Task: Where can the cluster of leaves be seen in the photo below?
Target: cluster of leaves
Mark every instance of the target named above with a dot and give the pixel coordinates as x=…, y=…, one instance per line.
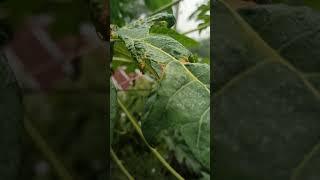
x=267, y=92
x=177, y=105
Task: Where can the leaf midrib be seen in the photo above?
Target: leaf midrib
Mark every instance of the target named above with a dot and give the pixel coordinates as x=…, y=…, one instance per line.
x=173, y=59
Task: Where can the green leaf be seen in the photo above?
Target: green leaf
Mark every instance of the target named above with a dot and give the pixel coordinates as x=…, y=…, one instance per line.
x=299, y=29
x=184, y=40
x=150, y=49
x=181, y=151
x=182, y=102
x=266, y=109
x=181, y=98
x=113, y=108
x=11, y=122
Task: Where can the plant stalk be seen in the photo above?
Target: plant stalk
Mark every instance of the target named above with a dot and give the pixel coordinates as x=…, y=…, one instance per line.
x=153, y=150
x=165, y=7
x=46, y=151
x=197, y=29
x=120, y=165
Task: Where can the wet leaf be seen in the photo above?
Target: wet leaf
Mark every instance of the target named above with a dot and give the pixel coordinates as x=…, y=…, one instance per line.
x=182, y=102
x=150, y=49
x=181, y=97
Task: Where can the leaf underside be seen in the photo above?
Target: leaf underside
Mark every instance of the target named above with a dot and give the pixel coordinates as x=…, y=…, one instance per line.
x=266, y=112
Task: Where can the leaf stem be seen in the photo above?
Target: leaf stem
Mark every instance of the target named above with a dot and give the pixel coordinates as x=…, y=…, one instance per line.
x=306, y=159
x=312, y=75
x=165, y=7
x=199, y=28
x=153, y=150
x=46, y=151
x=120, y=165
x=121, y=59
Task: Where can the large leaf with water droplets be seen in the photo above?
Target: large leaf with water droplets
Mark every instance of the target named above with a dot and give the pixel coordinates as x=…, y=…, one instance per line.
x=182, y=102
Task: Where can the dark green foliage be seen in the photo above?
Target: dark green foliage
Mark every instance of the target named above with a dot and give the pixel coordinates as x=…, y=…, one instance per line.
x=11, y=121
x=299, y=31
x=266, y=110
x=67, y=14
x=5, y=32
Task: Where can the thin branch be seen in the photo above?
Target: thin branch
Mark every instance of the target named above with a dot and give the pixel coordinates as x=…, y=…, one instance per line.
x=120, y=165
x=177, y=16
x=153, y=150
x=306, y=159
x=312, y=75
x=121, y=59
x=199, y=28
x=165, y=7
x=47, y=151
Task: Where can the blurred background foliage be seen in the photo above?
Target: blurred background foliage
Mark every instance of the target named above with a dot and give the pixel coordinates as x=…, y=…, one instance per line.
x=68, y=118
